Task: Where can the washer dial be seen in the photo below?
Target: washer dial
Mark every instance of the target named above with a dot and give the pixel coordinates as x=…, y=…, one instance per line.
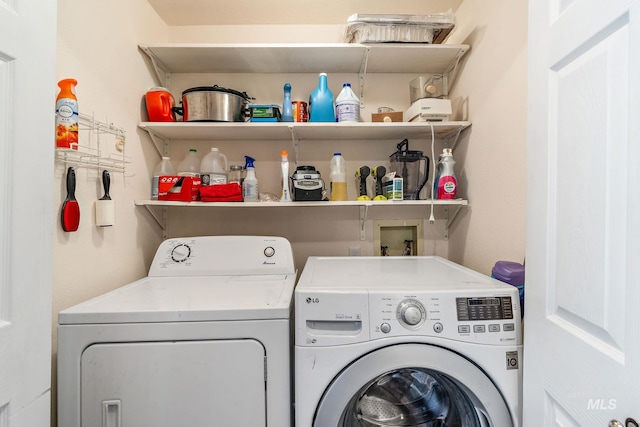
x=180, y=253
x=411, y=314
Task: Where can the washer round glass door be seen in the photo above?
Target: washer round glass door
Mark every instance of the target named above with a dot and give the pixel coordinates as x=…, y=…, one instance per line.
x=412, y=385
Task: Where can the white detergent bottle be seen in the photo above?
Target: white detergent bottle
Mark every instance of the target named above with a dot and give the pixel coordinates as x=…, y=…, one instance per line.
x=286, y=191
x=347, y=105
x=250, y=183
x=213, y=168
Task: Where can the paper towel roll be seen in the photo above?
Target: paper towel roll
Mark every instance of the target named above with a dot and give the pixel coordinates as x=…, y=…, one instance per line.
x=105, y=213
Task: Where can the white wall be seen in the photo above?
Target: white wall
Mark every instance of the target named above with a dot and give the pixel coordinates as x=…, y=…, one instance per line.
x=491, y=156
x=97, y=45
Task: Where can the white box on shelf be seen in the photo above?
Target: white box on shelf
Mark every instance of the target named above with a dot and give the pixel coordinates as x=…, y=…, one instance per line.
x=429, y=110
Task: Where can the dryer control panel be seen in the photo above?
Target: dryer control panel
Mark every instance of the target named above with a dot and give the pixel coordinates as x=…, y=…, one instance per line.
x=223, y=256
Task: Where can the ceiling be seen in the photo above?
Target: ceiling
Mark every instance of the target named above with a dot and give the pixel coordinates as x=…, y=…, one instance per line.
x=287, y=12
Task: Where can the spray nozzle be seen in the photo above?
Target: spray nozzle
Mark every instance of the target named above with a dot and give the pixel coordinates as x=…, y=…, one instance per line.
x=284, y=154
x=248, y=162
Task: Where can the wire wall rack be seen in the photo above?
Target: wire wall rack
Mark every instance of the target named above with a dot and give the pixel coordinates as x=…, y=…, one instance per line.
x=92, y=149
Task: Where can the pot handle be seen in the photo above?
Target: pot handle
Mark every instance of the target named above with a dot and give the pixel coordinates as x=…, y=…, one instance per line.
x=178, y=110
x=246, y=113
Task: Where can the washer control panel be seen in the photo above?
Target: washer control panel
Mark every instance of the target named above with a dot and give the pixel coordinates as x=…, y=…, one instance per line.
x=487, y=319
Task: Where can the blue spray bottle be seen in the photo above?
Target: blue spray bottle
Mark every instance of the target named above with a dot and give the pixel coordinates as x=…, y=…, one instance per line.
x=287, y=110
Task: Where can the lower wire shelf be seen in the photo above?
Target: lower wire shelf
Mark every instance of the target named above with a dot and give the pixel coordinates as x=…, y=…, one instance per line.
x=159, y=208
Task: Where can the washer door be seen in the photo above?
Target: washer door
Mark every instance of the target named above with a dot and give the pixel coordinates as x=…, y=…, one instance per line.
x=413, y=385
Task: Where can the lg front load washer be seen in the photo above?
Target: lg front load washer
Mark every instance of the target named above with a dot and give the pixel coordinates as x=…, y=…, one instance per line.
x=203, y=340
x=405, y=341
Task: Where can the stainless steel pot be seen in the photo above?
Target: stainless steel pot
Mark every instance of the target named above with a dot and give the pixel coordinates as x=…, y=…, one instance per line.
x=213, y=104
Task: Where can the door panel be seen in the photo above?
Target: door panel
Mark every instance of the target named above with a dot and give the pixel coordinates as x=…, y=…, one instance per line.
x=168, y=384
x=589, y=140
x=27, y=101
x=582, y=343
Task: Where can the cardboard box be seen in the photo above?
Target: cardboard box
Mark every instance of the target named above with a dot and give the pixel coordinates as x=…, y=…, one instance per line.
x=179, y=188
x=395, y=116
x=393, y=189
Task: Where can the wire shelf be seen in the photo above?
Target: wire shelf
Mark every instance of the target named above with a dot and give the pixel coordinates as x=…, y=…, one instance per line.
x=90, y=152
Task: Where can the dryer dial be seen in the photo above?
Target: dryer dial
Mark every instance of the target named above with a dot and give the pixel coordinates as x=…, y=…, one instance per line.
x=180, y=253
x=411, y=314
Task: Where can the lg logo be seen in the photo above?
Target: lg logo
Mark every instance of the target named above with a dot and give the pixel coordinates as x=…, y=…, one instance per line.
x=313, y=300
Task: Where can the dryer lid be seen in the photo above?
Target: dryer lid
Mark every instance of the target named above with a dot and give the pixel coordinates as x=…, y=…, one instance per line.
x=188, y=299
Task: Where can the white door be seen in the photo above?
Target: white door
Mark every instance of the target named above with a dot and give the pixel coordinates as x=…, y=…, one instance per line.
x=582, y=334
x=27, y=102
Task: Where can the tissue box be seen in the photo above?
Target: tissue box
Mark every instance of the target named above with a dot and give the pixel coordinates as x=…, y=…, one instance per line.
x=178, y=188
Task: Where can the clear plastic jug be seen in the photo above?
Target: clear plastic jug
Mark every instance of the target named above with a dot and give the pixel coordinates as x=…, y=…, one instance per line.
x=190, y=165
x=213, y=168
x=338, y=183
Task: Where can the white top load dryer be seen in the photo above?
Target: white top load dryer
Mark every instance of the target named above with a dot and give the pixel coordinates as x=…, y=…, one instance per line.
x=203, y=340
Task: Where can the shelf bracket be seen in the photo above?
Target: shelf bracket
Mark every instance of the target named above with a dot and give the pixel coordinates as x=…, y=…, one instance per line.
x=159, y=142
x=294, y=143
x=362, y=74
x=455, y=138
x=363, y=219
x=451, y=72
x=160, y=215
x=449, y=220
x=162, y=74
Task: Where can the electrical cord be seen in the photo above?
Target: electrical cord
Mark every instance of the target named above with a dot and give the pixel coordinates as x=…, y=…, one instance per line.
x=433, y=172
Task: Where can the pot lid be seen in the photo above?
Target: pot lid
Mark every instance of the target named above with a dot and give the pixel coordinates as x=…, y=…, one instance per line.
x=216, y=88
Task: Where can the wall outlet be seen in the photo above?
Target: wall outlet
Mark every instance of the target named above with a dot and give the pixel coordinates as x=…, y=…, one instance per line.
x=354, y=251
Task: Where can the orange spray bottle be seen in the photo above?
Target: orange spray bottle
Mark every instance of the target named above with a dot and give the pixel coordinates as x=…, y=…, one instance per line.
x=67, y=115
